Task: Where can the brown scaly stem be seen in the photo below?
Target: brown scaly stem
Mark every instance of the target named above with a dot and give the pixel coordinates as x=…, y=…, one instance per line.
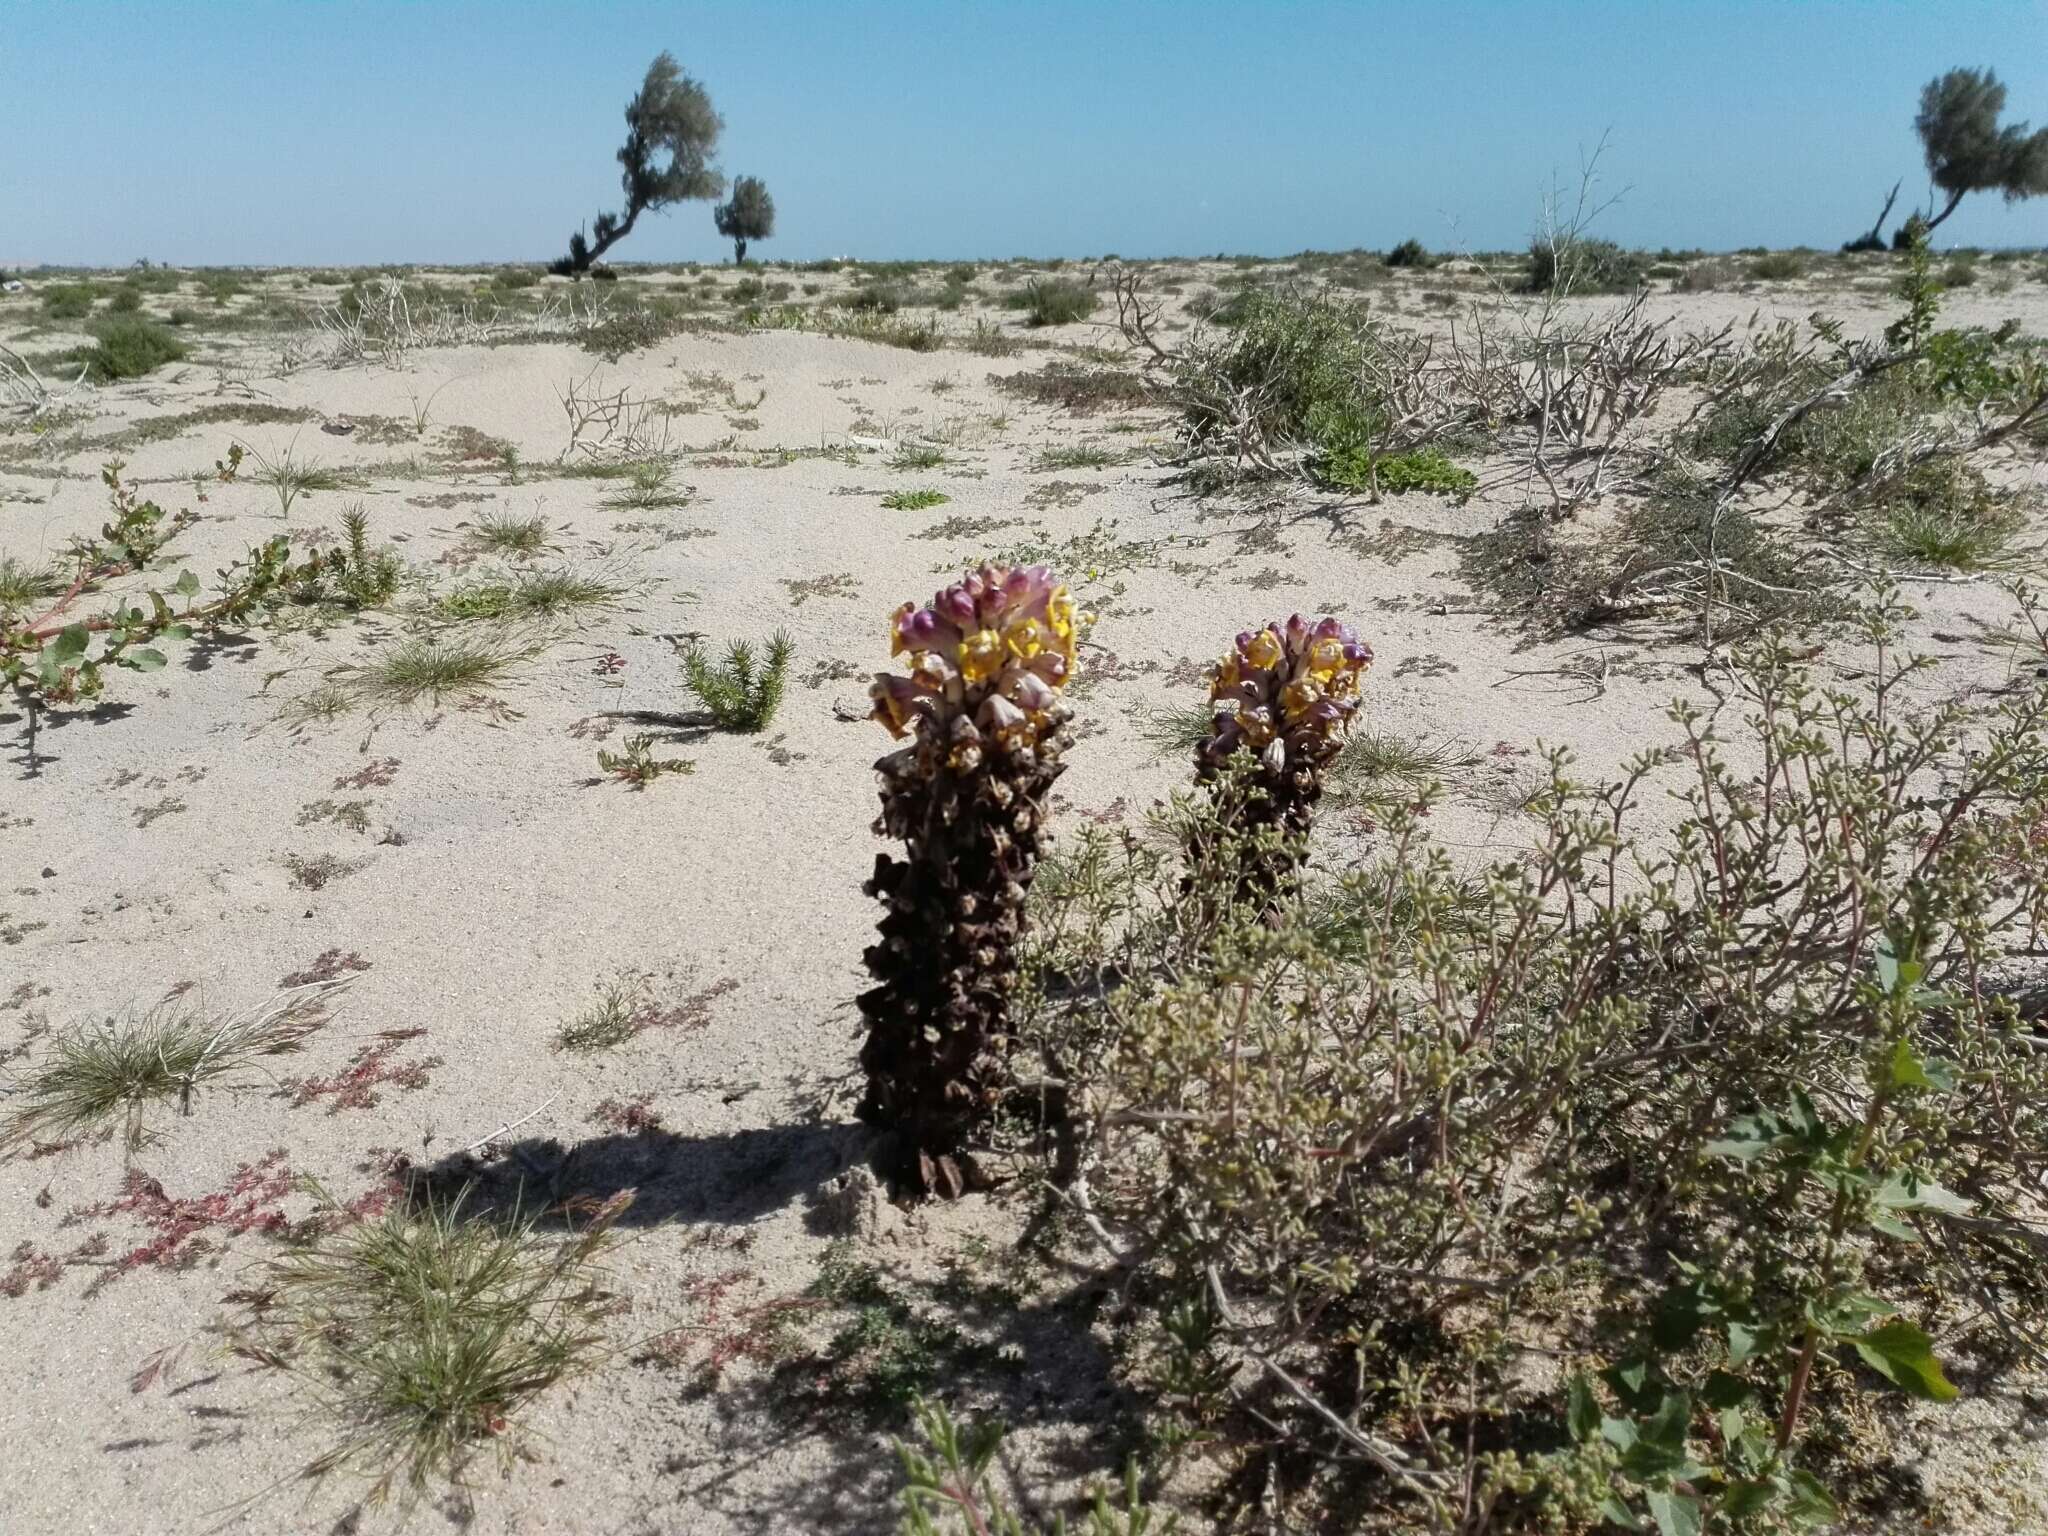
x=968, y=799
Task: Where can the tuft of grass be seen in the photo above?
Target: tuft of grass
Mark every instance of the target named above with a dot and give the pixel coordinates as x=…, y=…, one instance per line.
x=419, y=1336
x=895, y=501
x=532, y=595
x=22, y=584
x=612, y=1020
x=291, y=476
x=918, y=456
x=510, y=536
x=1173, y=730
x=1944, y=514
x=113, y=1071
x=741, y=694
x=1377, y=759
x=648, y=487
x=1078, y=456
x=429, y=667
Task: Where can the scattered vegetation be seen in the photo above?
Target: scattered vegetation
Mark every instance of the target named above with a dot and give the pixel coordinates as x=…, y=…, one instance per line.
x=637, y=765
x=417, y=1336
x=915, y=501
x=87, y=1081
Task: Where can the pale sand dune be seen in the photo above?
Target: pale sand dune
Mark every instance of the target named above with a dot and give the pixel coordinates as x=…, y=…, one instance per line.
x=496, y=886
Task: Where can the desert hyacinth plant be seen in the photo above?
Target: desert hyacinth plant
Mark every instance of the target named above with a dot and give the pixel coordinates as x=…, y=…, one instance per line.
x=1283, y=698
x=988, y=658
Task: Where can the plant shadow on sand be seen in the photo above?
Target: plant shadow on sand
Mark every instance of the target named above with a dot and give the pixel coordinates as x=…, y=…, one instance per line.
x=736, y=1177
x=879, y=1325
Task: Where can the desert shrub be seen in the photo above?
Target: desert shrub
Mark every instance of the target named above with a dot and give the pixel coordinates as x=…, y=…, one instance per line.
x=1410, y=253
x=510, y=278
x=1707, y=276
x=741, y=693
x=1579, y=264
x=1778, y=267
x=127, y=300
x=1960, y=272
x=1627, y=1181
x=68, y=301
x=129, y=346
x=1053, y=302
x=873, y=298
x=1942, y=512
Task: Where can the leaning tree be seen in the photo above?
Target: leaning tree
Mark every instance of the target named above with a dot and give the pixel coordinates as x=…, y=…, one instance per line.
x=749, y=216
x=1967, y=151
x=671, y=113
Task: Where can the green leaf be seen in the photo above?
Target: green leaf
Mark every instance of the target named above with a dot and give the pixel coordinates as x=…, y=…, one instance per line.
x=1907, y=1070
x=1907, y=1191
x=1744, y=1340
x=144, y=660
x=1747, y=1498
x=187, y=585
x=69, y=644
x=1887, y=964
x=1676, y=1514
x=1811, y=1503
x=1614, y=1512
x=1582, y=1409
x=1904, y=1355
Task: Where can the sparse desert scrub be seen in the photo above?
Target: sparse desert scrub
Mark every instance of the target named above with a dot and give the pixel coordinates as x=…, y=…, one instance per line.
x=989, y=656
x=1364, y=1184
x=291, y=475
x=430, y=667
x=1053, y=301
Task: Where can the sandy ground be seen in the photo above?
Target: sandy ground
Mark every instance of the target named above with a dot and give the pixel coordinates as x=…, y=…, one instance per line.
x=497, y=883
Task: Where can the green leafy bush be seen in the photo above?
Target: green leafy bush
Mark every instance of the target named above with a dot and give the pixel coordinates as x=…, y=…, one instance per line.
x=1578, y=264
x=1778, y=267
x=1050, y=301
x=1410, y=253
x=68, y=301
x=130, y=346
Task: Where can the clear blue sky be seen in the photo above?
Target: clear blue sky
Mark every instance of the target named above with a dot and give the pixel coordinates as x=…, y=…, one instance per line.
x=254, y=131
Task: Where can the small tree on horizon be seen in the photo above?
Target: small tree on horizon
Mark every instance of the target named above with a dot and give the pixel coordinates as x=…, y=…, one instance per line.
x=1966, y=149
x=671, y=112
x=750, y=215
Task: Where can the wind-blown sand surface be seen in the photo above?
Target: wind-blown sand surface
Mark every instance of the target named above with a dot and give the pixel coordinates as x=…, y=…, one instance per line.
x=483, y=882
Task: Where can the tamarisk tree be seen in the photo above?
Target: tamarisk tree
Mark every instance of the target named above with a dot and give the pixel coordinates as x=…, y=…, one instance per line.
x=968, y=797
x=750, y=215
x=673, y=114
x=1966, y=149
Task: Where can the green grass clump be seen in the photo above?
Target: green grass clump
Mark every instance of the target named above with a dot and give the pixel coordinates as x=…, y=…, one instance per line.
x=918, y=456
x=648, y=486
x=1050, y=301
x=420, y=1335
x=428, y=667
x=1580, y=265
x=22, y=584
x=741, y=693
x=1778, y=267
x=130, y=346
x=510, y=536
x=89, y=1080
x=291, y=476
x=1078, y=456
x=914, y=501
x=532, y=595
x=1944, y=514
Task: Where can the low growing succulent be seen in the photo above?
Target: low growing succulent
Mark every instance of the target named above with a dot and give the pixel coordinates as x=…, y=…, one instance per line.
x=986, y=724
x=1283, y=696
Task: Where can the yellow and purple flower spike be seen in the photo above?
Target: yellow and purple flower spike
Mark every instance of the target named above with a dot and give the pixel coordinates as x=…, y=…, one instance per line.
x=1287, y=693
x=994, y=648
x=980, y=700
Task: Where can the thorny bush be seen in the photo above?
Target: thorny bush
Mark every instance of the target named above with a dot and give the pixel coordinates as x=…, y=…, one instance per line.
x=1612, y=1186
